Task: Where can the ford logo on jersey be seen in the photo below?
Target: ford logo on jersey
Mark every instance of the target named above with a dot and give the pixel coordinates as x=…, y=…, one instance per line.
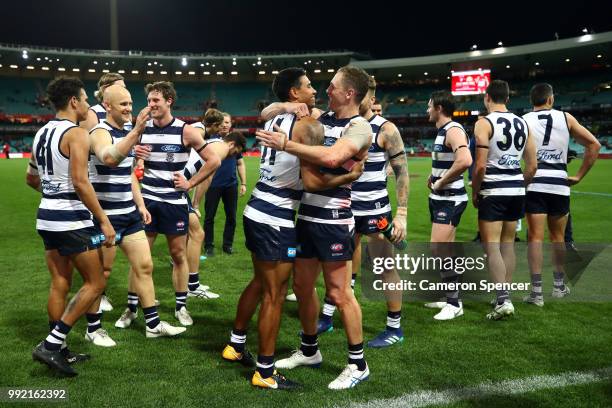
x=549, y=154
x=170, y=148
x=509, y=160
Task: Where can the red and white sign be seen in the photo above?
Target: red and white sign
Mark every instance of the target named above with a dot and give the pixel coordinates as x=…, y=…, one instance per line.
x=470, y=82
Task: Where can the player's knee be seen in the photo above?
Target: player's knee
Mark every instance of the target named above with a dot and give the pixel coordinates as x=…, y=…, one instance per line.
x=107, y=273
x=196, y=234
x=338, y=296
x=179, y=255
x=144, y=268
x=273, y=296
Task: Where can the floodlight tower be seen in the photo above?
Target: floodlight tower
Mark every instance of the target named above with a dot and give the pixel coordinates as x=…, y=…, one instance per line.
x=114, y=26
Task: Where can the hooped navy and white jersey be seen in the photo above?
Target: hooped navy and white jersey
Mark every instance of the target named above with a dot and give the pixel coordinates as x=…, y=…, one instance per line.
x=332, y=206
x=442, y=159
x=100, y=112
x=369, y=194
x=60, y=208
x=195, y=162
x=551, y=135
x=278, y=191
x=113, y=185
x=168, y=155
x=503, y=175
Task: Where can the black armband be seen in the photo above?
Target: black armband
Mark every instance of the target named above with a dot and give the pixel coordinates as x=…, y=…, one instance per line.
x=459, y=147
x=396, y=155
x=202, y=148
x=482, y=147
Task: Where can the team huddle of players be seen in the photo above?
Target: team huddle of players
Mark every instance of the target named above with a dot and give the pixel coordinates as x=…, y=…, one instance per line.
x=322, y=186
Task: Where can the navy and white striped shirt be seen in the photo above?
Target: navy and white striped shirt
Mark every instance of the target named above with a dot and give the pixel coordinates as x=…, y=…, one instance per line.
x=442, y=159
x=113, y=185
x=278, y=192
x=60, y=208
x=168, y=155
x=195, y=162
x=369, y=194
x=503, y=175
x=332, y=206
x=551, y=135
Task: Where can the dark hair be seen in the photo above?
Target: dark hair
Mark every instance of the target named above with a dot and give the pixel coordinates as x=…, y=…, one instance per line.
x=213, y=117
x=357, y=79
x=238, y=139
x=285, y=80
x=105, y=81
x=498, y=91
x=540, y=93
x=445, y=100
x=166, y=88
x=62, y=88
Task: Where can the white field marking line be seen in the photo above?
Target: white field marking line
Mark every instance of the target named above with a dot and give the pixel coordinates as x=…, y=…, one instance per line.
x=593, y=193
x=425, y=398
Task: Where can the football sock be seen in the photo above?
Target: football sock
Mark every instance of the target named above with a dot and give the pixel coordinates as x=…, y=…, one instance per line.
x=132, y=302
x=238, y=339
x=57, y=336
x=502, y=296
x=356, y=356
x=536, y=285
x=353, y=278
x=151, y=316
x=328, y=309
x=194, y=281
x=181, y=299
x=559, y=283
x=393, y=320
x=93, y=322
x=265, y=365
x=309, y=345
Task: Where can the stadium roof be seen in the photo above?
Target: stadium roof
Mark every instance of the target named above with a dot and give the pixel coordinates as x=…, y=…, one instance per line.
x=578, y=53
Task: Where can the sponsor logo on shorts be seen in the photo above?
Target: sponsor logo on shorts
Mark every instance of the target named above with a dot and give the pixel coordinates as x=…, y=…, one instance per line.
x=337, y=247
x=97, y=239
x=180, y=225
x=291, y=252
x=170, y=148
x=442, y=214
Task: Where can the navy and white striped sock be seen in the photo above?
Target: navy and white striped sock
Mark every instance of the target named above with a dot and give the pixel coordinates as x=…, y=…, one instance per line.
x=393, y=320
x=356, y=356
x=151, y=316
x=265, y=365
x=559, y=280
x=194, y=281
x=536, y=285
x=502, y=296
x=132, y=303
x=309, y=345
x=93, y=321
x=238, y=340
x=181, y=299
x=328, y=309
x=57, y=336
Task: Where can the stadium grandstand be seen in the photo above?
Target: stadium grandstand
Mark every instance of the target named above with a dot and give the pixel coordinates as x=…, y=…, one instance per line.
x=578, y=68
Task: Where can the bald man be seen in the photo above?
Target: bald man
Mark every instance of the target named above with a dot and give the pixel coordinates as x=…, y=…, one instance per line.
x=110, y=172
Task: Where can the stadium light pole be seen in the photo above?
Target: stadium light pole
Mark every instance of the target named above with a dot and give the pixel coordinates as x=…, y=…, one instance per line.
x=114, y=26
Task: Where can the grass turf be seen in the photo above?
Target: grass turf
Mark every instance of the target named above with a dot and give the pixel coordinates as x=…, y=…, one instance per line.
x=188, y=371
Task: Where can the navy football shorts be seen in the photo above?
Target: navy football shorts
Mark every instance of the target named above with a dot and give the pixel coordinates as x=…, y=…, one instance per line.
x=270, y=242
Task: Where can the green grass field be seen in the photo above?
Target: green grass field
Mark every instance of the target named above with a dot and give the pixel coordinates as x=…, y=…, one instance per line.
x=188, y=371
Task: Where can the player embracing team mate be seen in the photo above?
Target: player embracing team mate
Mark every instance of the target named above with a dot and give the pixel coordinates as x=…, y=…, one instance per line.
x=370, y=202
x=548, y=195
x=58, y=168
x=448, y=198
x=165, y=146
x=498, y=186
x=270, y=231
x=110, y=172
x=325, y=226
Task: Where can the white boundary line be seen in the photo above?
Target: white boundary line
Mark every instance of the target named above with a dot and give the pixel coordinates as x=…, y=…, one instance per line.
x=425, y=398
x=592, y=193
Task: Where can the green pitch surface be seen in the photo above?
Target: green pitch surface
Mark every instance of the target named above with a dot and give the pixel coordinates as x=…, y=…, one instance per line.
x=459, y=355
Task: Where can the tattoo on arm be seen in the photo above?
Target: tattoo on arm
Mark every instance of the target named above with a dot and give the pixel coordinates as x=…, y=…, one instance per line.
x=394, y=145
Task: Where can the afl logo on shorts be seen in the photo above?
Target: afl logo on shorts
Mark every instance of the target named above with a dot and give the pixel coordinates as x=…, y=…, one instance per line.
x=180, y=225
x=372, y=221
x=441, y=214
x=336, y=247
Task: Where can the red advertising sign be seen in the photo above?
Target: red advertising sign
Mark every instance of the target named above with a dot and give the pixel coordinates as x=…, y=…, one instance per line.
x=470, y=82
